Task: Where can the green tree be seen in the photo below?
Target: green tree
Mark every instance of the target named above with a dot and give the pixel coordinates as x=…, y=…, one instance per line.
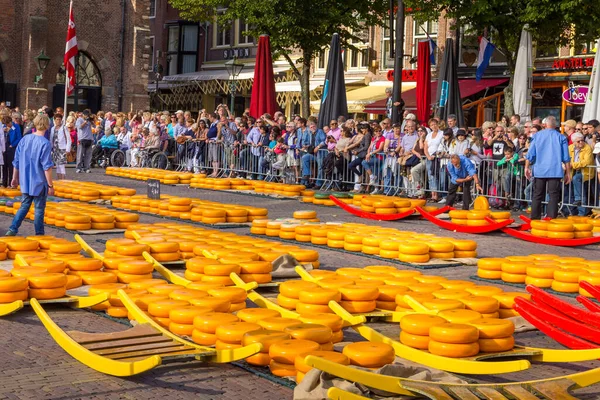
x=552, y=23
x=305, y=25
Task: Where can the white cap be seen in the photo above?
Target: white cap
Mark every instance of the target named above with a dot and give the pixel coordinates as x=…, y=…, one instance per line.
x=411, y=116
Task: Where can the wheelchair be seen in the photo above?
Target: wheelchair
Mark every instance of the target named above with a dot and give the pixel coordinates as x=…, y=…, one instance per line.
x=153, y=158
x=109, y=157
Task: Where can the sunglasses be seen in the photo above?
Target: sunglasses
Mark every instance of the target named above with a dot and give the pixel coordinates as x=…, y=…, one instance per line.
x=578, y=130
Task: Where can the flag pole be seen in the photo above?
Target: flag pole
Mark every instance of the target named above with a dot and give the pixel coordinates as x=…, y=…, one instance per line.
x=65, y=115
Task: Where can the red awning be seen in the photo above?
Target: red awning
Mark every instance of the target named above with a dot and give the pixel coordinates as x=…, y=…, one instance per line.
x=468, y=87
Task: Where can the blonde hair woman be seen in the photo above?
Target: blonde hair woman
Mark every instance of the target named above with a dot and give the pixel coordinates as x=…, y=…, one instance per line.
x=60, y=139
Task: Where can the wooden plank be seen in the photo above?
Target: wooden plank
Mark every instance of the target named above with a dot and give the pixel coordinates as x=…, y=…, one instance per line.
x=127, y=342
x=461, y=392
x=429, y=389
x=136, y=347
x=158, y=352
x=519, y=392
x=142, y=330
x=490, y=393
x=557, y=389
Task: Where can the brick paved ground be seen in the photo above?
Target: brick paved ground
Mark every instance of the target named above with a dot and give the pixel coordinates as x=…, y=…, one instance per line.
x=33, y=366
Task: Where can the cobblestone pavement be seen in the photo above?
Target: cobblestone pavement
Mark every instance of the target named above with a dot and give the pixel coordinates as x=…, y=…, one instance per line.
x=33, y=366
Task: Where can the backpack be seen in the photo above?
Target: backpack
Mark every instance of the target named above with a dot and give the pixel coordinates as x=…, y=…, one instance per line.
x=494, y=201
x=328, y=164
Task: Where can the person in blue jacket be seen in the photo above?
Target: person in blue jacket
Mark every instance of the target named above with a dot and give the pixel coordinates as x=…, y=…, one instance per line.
x=462, y=173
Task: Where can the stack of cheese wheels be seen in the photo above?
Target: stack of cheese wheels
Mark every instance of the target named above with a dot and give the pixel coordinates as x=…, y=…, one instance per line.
x=234, y=295
x=441, y=249
x=134, y=270
x=540, y=273
x=236, y=215
x=566, y=279
x=332, y=321
x=194, y=268
x=273, y=228
x=359, y=299
x=132, y=250
x=305, y=214
x=160, y=310
x=539, y=228
x=89, y=270
x=259, y=227
x=415, y=329
x=369, y=355
x=12, y=288
x=490, y=268
x=109, y=288
x=266, y=338
x=64, y=251
x=560, y=229
x=308, y=196
x=464, y=248
x=3, y=251
x=283, y=355
x=459, y=217
x=321, y=334
x=316, y=300
x=506, y=301
x=229, y=336
x=19, y=245
x=289, y=292
x=218, y=272
x=500, y=216
x=495, y=335
x=78, y=222
x=477, y=217
x=287, y=231
x=595, y=224
x=514, y=271
x=163, y=251
x=414, y=252
x=185, y=178
x=213, y=216
x=111, y=247
x=386, y=299
x=453, y=340
x=178, y=205
x=303, y=368
x=206, y=324
x=256, y=271
x=117, y=309
x=484, y=304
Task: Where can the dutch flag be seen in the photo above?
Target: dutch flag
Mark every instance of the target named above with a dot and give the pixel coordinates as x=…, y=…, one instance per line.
x=486, y=49
x=432, y=47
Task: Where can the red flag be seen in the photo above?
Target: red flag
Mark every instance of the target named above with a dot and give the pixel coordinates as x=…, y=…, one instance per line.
x=70, y=54
x=263, y=98
x=423, y=82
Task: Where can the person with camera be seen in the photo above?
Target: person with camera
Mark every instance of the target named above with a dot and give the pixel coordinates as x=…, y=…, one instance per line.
x=85, y=139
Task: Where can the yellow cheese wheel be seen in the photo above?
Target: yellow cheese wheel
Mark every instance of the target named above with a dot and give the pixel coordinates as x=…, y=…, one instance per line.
x=539, y=282
x=559, y=226
x=137, y=267
x=85, y=264
x=209, y=322
x=286, y=351
x=162, y=308
x=308, y=309
x=496, y=345
x=73, y=281
x=146, y=283
x=49, y=265
x=277, y=323
x=164, y=290
x=186, y=314
x=233, y=332
x=487, y=274
x=513, y=278
x=282, y=369
x=460, y=214
x=454, y=333
x=537, y=271
x=259, y=359
x=287, y=302
x=560, y=234
x=358, y=293
x=539, y=232
x=481, y=304
x=97, y=277
x=414, y=259
x=515, y=267
x=319, y=296
x=465, y=254
x=132, y=249
x=539, y=225
x=264, y=337
x=255, y=267
x=453, y=350
x=314, y=332
x=13, y=284
x=414, y=341
x=256, y=314
x=218, y=269
x=359, y=306
x=217, y=305
x=414, y=248
x=187, y=294
x=65, y=248
x=203, y=338
x=181, y=329
x=232, y=294
x=292, y=289
x=444, y=304
x=419, y=324
x=117, y=312
x=568, y=275
x=491, y=264
x=492, y=328
x=565, y=287
x=369, y=355
x=459, y=316
x=22, y=245
x=47, y=294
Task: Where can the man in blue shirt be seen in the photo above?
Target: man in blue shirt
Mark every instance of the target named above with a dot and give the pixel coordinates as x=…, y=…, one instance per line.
x=317, y=141
x=33, y=171
x=462, y=173
x=86, y=140
x=548, y=152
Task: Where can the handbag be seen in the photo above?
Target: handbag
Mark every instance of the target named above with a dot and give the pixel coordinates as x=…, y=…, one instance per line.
x=409, y=160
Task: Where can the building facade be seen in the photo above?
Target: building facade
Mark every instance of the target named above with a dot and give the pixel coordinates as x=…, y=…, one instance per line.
x=113, y=60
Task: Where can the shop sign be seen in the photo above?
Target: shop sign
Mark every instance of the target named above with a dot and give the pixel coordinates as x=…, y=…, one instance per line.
x=243, y=52
x=573, y=63
x=576, y=95
x=408, y=75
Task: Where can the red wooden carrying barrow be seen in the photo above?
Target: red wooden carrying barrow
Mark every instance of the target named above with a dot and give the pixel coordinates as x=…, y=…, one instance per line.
x=445, y=224
x=369, y=215
x=520, y=233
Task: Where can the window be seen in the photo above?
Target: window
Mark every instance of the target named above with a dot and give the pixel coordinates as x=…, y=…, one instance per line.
x=243, y=27
x=584, y=49
x=153, y=8
x=322, y=59
x=365, y=58
x=222, y=35
x=88, y=73
x=386, y=61
x=182, y=49
x=355, y=58
x=423, y=32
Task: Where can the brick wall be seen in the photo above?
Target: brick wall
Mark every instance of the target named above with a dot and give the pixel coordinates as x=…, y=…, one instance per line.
x=29, y=26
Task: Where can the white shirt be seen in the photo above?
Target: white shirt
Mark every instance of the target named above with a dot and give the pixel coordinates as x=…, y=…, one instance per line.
x=64, y=138
x=433, y=144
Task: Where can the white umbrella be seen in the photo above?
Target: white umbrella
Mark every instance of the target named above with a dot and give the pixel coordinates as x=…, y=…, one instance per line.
x=592, y=105
x=523, y=80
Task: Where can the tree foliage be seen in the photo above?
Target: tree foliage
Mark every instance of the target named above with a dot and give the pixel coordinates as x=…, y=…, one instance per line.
x=304, y=25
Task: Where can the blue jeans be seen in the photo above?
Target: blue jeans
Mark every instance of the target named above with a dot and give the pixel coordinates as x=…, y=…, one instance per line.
x=40, y=207
x=578, y=192
x=307, y=159
x=390, y=170
x=433, y=179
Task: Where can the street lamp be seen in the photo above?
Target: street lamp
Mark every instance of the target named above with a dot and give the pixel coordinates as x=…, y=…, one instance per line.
x=42, y=61
x=234, y=68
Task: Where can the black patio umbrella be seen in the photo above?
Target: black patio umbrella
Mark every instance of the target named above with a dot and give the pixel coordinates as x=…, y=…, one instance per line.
x=448, y=92
x=333, y=100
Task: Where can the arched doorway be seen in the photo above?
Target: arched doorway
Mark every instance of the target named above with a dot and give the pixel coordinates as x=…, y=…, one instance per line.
x=88, y=92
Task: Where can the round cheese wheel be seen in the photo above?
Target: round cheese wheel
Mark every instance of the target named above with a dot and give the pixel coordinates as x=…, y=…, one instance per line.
x=332, y=356
x=65, y=248
x=513, y=278
x=215, y=304
x=414, y=259
x=47, y=294
x=264, y=337
x=97, y=277
x=232, y=294
x=259, y=359
x=187, y=294
x=315, y=332
x=491, y=264
x=254, y=315
x=277, y=323
x=203, y=338
x=454, y=333
x=9, y=297
x=537, y=271
x=49, y=265
x=186, y=314
x=444, y=304
x=161, y=308
x=132, y=249
x=453, y=350
x=419, y=324
x=85, y=264
x=565, y=287
x=233, y=332
x=414, y=248
x=287, y=302
x=164, y=290
x=146, y=283
x=414, y=341
x=568, y=275
x=496, y=345
x=539, y=282
x=209, y=322
x=320, y=296
x=359, y=293
x=369, y=355
x=481, y=304
x=359, y=306
x=23, y=245
x=459, y=316
x=282, y=369
x=73, y=281
x=487, y=274
x=307, y=309
x=286, y=351
x=492, y=328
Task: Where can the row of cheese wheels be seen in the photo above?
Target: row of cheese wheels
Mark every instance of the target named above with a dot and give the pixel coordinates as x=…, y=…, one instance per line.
x=477, y=217
x=88, y=191
x=9, y=192
x=165, y=177
x=385, y=204
x=562, y=274
x=79, y=216
x=434, y=292
x=184, y=208
x=250, y=257
x=201, y=181
x=577, y=228
x=410, y=247
x=452, y=339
